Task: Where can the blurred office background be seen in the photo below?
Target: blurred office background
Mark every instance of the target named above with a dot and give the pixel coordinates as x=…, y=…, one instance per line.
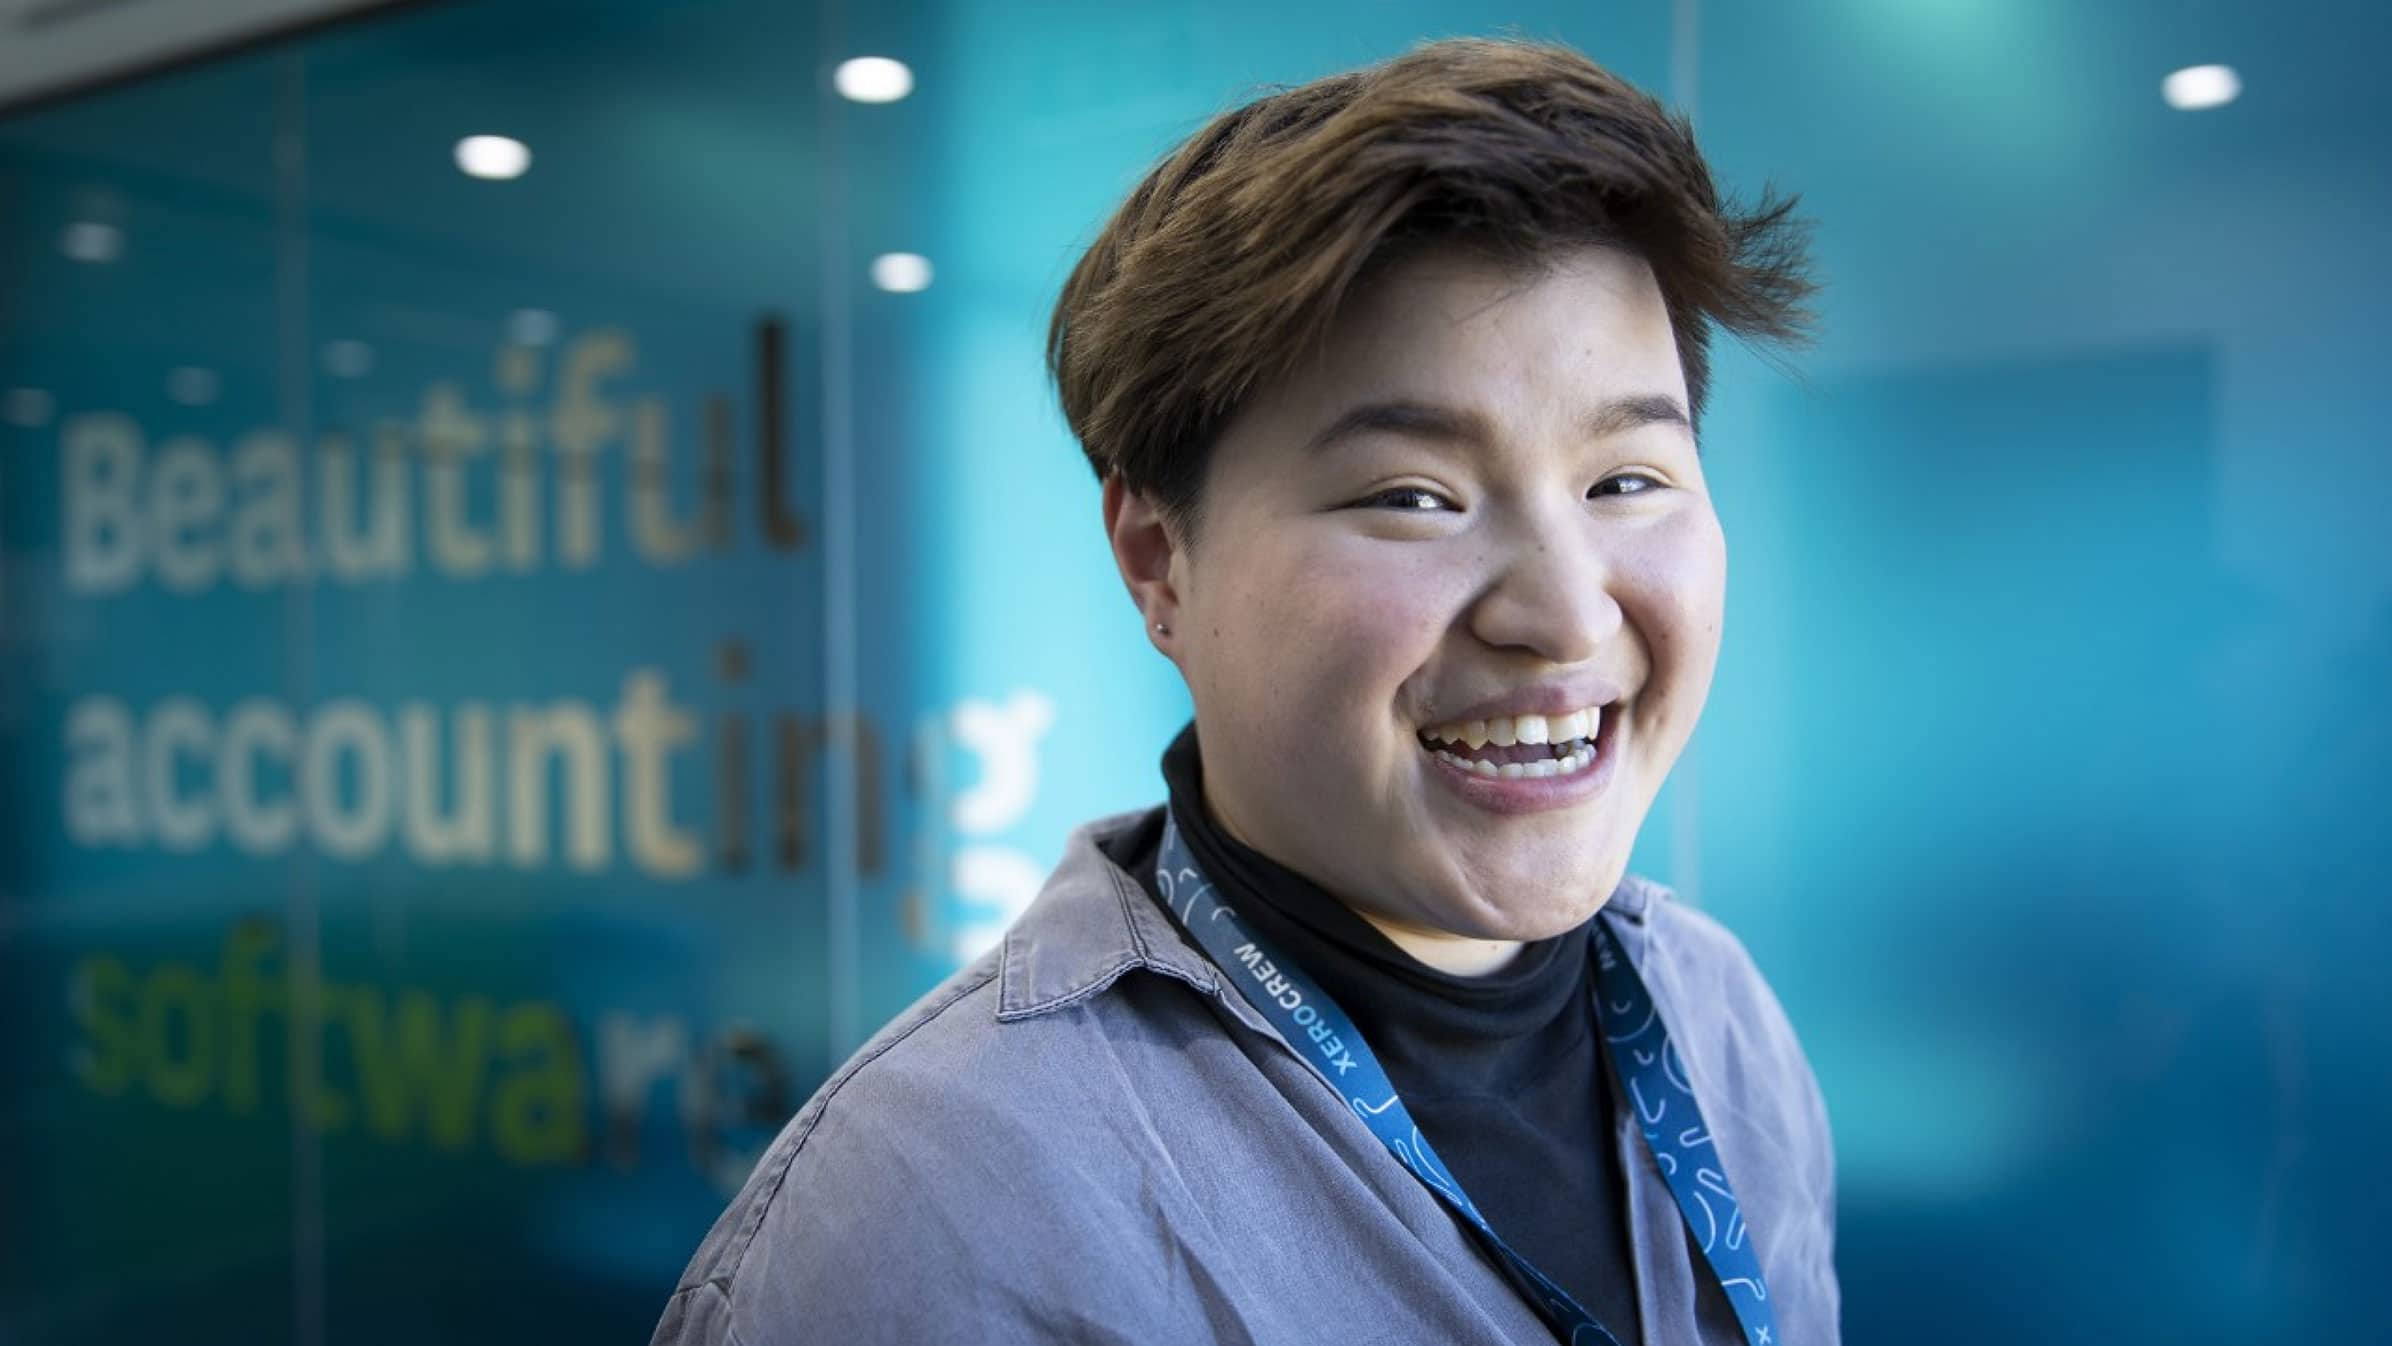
x=650, y=535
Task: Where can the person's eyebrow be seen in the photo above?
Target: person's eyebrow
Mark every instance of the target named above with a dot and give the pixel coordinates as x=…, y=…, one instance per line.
x=1425, y=420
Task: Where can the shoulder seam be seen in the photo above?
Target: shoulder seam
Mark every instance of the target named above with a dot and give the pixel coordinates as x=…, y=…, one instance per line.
x=755, y=1220
x=721, y=1290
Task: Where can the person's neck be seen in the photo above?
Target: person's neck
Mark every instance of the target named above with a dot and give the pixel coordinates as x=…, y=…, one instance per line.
x=1455, y=955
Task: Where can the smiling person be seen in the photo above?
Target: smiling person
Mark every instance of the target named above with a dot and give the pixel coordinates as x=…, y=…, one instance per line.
x=1393, y=382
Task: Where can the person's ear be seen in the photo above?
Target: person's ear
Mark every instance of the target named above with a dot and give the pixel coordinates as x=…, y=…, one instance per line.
x=1148, y=556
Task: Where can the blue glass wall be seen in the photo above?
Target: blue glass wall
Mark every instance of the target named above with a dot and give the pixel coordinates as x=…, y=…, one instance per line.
x=503, y=684
x=2046, y=771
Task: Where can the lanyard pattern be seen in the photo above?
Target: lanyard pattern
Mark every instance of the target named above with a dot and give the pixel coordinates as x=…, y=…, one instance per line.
x=1647, y=1062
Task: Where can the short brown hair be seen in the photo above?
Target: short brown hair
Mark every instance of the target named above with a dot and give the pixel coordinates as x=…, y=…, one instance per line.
x=1228, y=263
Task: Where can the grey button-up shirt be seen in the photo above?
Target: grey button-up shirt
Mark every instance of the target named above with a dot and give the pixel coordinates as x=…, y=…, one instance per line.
x=1087, y=1135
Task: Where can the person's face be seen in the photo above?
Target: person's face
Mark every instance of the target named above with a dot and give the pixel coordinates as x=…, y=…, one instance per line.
x=1513, y=519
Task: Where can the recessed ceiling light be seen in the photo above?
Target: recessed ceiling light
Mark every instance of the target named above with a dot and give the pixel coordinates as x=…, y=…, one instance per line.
x=901, y=272
x=193, y=386
x=92, y=241
x=873, y=79
x=347, y=359
x=28, y=408
x=2201, y=86
x=497, y=158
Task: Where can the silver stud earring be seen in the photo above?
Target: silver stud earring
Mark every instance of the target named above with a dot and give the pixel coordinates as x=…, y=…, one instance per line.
x=1161, y=630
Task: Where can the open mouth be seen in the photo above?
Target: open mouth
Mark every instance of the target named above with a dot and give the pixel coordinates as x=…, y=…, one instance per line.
x=1522, y=745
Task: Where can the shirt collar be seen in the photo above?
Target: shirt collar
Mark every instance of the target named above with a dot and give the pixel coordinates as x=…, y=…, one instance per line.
x=1093, y=921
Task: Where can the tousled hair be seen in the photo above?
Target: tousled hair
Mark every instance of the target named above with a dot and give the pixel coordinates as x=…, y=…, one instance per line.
x=1228, y=263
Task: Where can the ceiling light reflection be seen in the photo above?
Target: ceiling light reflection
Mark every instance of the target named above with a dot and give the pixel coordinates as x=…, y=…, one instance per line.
x=2201, y=86
x=92, y=241
x=495, y=158
x=901, y=272
x=873, y=79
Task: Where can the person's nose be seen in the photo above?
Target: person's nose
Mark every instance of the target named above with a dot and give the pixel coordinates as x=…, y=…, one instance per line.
x=1551, y=591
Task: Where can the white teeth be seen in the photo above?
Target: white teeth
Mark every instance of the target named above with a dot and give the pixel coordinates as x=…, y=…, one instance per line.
x=1468, y=763
x=1513, y=729
x=1548, y=766
x=1572, y=764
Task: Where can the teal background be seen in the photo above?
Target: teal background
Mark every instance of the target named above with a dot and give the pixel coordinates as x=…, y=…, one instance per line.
x=2044, y=775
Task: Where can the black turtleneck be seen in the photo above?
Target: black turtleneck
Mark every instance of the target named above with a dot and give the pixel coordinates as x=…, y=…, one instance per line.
x=1504, y=1073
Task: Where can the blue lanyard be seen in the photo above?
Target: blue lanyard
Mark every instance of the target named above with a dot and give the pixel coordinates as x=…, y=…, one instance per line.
x=1640, y=1050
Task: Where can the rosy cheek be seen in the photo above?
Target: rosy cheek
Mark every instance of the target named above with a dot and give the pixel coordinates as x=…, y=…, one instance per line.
x=1678, y=573
x=1420, y=594
x=1673, y=587
x=1367, y=625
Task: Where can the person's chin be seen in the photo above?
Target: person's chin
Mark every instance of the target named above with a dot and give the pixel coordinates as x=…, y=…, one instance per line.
x=1562, y=919
x=1546, y=912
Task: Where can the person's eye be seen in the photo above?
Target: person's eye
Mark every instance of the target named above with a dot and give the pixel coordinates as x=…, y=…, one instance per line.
x=1629, y=483
x=1406, y=499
